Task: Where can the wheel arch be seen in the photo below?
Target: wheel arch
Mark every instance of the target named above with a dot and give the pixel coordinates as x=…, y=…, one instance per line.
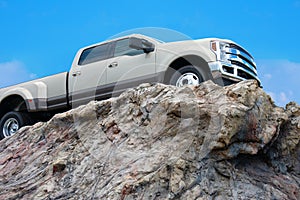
x=194, y=60
x=13, y=102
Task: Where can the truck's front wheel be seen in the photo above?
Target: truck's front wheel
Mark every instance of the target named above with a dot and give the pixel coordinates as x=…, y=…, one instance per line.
x=11, y=122
x=187, y=75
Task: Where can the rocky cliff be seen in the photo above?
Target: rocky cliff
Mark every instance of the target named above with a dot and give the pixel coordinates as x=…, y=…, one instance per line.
x=160, y=142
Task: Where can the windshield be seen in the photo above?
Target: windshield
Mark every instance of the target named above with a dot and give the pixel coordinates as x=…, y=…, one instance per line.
x=160, y=34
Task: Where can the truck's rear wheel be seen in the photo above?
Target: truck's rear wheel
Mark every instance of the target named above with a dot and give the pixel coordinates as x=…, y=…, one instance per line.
x=11, y=122
x=187, y=75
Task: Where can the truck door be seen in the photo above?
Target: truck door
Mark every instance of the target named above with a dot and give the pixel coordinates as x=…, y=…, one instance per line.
x=88, y=72
x=129, y=67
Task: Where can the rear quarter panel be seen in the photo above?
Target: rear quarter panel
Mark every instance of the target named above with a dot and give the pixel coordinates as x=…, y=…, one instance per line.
x=37, y=92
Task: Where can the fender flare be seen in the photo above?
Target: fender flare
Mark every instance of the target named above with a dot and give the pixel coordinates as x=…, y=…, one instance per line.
x=37, y=102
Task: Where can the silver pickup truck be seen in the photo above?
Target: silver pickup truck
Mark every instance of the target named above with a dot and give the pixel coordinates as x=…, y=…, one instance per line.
x=106, y=69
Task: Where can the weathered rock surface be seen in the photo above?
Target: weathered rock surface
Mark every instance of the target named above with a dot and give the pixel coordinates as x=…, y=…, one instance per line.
x=160, y=142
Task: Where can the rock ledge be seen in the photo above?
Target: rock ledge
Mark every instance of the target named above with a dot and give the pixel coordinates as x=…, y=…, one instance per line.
x=160, y=142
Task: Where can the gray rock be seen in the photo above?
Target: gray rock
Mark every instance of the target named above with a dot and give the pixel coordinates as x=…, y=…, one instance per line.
x=160, y=142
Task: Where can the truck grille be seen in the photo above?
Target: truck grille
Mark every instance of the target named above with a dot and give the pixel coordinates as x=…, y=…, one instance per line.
x=234, y=46
x=233, y=62
x=240, y=63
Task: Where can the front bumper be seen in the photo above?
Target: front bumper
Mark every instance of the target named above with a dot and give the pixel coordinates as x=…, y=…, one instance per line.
x=228, y=73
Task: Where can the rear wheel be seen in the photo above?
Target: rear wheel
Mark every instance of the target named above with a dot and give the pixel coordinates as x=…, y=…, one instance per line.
x=11, y=122
x=187, y=75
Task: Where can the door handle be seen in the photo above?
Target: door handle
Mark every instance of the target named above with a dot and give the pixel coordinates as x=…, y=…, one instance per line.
x=114, y=64
x=77, y=73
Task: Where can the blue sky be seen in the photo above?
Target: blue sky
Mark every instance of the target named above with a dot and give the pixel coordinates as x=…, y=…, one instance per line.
x=40, y=38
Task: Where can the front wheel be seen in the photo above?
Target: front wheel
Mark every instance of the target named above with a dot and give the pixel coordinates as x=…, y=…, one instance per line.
x=11, y=122
x=187, y=75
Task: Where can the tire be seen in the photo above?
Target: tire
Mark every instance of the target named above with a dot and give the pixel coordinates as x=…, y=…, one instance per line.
x=187, y=75
x=11, y=122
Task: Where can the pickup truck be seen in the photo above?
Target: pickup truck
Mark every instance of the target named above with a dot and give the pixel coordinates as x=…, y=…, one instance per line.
x=108, y=68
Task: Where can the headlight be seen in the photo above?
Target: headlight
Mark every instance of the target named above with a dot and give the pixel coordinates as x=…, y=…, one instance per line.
x=219, y=48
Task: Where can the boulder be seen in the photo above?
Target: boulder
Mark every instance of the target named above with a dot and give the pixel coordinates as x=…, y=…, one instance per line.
x=160, y=142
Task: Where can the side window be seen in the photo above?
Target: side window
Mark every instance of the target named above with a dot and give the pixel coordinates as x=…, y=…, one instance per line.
x=122, y=48
x=94, y=54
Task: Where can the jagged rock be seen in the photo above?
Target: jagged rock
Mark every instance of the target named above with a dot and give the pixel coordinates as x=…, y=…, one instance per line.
x=160, y=142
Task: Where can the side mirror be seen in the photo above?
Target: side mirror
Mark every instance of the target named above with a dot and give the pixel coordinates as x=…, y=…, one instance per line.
x=141, y=44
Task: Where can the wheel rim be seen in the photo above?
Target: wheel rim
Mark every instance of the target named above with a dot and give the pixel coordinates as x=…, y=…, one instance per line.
x=10, y=127
x=187, y=79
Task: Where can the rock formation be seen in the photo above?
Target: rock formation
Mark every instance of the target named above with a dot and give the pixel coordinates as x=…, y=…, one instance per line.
x=160, y=142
